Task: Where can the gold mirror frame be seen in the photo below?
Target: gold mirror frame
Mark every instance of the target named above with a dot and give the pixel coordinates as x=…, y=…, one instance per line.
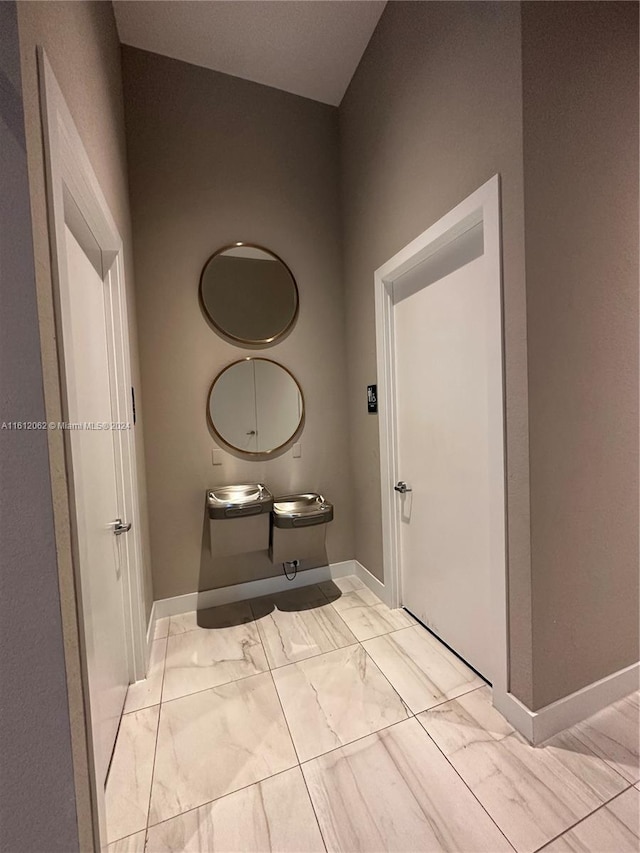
x=223, y=332
x=295, y=432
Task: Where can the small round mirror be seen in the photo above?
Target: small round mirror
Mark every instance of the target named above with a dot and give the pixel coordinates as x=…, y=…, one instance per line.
x=249, y=294
x=255, y=405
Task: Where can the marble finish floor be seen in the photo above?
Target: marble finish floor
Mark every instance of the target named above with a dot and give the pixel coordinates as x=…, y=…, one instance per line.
x=319, y=719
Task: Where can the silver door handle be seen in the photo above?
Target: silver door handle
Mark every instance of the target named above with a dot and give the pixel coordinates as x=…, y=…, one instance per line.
x=119, y=527
x=402, y=487
x=251, y=432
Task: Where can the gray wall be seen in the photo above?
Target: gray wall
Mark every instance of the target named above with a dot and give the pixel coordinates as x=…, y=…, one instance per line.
x=580, y=83
x=213, y=160
x=37, y=798
x=434, y=111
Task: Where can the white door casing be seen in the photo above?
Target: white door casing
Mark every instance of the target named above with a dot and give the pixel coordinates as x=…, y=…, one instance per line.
x=76, y=203
x=481, y=210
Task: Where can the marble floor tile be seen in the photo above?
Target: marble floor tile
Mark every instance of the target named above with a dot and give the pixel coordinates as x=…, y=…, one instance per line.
x=335, y=588
x=217, y=741
x=274, y=815
x=144, y=694
x=161, y=628
x=335, y=698
x=532, y=793
x=130, y=844
x=299, y=624
x=394, y=791
x=615, y=828
x=129, y=782
x=368, y=617
x=203, y=658
x=422, y=670
x=213, y=618
x=614, y=734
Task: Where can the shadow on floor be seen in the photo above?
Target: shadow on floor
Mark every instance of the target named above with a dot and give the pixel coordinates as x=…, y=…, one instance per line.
x=294, y=600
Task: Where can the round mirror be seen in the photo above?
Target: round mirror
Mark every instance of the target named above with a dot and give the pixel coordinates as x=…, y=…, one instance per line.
x=255, y=405
x=249, y=294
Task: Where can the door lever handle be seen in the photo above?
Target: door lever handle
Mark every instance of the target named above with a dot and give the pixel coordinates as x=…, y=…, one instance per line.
x=402, y=487
x=119, y=527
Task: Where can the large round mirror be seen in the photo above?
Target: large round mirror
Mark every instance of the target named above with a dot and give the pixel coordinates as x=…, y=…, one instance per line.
x=249, y=294
x=255, y=405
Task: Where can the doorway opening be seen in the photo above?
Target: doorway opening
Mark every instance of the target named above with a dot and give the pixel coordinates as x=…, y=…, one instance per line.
x=442, y=447
x=99, y=446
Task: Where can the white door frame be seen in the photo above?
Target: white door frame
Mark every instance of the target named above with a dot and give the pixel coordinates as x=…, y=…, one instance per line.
x=483, y=206
x=74, y=198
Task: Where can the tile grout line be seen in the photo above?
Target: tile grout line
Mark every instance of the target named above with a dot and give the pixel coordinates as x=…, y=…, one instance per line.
x=289, y=663
x=591, y=751
x=224, y=683
x=383, y=674
x=284, y=716
x=313, y=808
x=136, y=711
x=216, y=799
x=593, y=754
x=357, y=643
x=252, y=675
x=155, y=749
x=367, y=606
x=582, y=819
x=313, y=657
x=464, y=782
x=151, y=704
x=356, y=740
x=299, y=765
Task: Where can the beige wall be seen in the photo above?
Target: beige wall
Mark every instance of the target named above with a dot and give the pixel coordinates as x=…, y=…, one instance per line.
x=580, y=71
x=434, y=111
x=81, y=42
x=212, y=160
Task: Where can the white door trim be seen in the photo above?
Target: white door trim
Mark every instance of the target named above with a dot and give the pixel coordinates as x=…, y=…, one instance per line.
x=482, y=206
x=74, y=197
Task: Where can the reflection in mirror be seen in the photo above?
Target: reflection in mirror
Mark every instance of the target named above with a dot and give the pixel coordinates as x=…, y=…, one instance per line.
x=249, y=294
x=255, y=405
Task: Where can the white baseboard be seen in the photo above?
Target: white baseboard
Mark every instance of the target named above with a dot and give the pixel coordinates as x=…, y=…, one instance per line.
x=265, y=586
x=538, y=726
x=252, y=589
x=371, y=581
x=151, y=630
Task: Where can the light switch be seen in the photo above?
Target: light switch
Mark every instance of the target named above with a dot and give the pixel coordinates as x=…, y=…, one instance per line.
x=297, y=450
x=217, y=456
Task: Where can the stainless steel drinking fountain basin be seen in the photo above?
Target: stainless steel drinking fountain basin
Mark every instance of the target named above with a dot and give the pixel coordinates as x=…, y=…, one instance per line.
x=305, y=510
x=238, y=501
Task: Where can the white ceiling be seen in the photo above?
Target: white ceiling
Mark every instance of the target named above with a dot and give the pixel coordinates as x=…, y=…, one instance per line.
x=308, y=47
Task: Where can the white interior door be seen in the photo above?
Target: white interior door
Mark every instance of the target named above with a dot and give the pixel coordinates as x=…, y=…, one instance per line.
x=443, y=448
x=101, y=552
